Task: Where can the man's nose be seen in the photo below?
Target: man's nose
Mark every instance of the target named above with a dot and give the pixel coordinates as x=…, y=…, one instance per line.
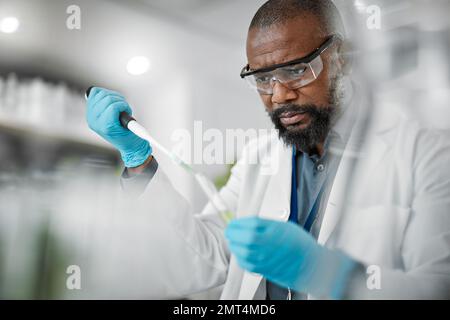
x=282, y=94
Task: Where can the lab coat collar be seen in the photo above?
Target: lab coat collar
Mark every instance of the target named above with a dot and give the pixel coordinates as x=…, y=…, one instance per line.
x=348, y=110
x=367, y=145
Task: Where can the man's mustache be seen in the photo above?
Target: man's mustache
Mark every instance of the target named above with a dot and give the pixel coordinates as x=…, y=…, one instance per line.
x=292, y=109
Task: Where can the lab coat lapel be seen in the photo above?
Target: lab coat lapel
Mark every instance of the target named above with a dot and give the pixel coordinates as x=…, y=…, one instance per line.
x=352, y=153
x=277, y=197
x=275, y=205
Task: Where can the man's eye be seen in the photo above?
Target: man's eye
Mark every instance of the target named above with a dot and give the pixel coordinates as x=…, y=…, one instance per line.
x=296, y=71
x=262, y=79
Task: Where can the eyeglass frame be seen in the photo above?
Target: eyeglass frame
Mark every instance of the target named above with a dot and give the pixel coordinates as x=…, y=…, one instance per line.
x=310, y=57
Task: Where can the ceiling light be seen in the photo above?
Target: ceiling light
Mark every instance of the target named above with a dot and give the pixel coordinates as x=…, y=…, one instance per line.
x=9, y=25
x=138, y=65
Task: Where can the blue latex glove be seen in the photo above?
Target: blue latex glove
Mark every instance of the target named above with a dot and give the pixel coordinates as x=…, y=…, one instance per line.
x=287, y=255
x=103, y=110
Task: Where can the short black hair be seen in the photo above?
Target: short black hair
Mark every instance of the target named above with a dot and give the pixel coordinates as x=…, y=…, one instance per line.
x=279, y=11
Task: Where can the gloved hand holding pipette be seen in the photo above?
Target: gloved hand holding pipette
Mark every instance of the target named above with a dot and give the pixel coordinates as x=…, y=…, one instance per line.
x=103, y=110
x=109, y=115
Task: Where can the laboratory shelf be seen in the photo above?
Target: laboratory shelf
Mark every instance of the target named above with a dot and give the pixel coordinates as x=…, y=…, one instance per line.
x=28, y=130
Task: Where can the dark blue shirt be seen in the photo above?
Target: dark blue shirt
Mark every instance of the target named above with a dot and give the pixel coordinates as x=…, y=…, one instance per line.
x=310, y=181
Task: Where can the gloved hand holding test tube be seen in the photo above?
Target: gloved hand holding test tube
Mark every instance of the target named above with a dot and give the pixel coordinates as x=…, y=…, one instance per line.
x=128, y=122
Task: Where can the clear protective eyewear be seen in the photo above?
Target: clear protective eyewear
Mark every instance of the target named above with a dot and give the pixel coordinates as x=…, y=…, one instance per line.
x=293, y=74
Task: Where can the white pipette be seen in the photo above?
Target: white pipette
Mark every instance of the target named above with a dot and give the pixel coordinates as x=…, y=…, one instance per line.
x=206, y=184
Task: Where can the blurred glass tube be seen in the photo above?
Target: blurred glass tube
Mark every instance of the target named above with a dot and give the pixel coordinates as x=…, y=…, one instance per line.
x=403, y=67
x=406, y=62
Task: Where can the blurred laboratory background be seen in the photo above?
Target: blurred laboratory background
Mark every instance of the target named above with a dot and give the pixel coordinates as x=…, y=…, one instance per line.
x=177, y=62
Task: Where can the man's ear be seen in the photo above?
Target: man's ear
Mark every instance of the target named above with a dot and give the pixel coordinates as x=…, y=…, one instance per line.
x=345, y=57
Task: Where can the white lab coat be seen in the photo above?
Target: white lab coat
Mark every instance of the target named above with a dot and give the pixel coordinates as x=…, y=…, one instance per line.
x=397, y=215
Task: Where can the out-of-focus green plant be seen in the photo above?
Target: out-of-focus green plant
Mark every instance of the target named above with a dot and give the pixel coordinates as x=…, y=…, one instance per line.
x=222, y=180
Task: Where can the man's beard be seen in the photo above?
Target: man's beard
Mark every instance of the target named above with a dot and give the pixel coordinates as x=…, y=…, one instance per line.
x=321, y=120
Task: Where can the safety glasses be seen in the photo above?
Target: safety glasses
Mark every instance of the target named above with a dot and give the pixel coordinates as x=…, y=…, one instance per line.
x=293, y=74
